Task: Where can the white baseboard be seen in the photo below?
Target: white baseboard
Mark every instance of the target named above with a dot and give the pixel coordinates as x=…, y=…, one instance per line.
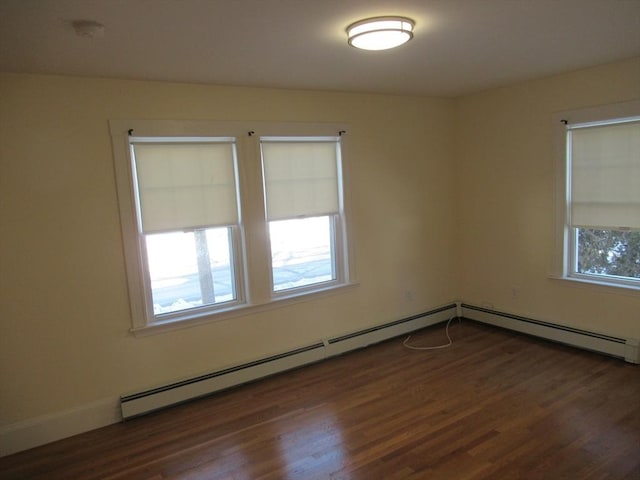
x=37, y=431
x=624, y=348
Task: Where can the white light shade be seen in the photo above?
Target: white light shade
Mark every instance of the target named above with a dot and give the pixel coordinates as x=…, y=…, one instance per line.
x=380, y=33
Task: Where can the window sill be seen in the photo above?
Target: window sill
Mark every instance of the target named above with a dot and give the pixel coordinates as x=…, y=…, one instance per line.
x=240, y=310
x=602, y=285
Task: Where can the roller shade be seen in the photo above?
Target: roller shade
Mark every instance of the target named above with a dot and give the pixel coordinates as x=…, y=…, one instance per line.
x=605, y=175
x=182, y=186
x=300, y=178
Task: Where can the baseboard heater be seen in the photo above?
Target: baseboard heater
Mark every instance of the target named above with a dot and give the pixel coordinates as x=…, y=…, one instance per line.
x=141, y=403
x=625, y=348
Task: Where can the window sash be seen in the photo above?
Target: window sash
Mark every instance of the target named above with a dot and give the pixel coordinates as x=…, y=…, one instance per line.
x=602, y=278
x=281, y=287
x=207, y=307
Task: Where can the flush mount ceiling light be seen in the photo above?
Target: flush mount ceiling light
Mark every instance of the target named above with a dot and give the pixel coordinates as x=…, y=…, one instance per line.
x=380, y=33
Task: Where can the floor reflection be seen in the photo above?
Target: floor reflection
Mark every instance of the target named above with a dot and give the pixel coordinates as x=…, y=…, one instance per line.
x=312, y=446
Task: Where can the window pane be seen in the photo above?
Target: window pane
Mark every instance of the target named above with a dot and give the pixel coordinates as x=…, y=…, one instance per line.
x=190, y=269
x=301, y=252
x=609, y=252
x=605, y=169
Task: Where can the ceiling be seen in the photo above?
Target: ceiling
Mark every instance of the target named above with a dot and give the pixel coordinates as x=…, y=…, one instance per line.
x=460, y=46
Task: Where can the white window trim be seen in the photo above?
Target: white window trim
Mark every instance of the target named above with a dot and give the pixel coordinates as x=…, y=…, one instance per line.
x=564, y=253
x=254, y=296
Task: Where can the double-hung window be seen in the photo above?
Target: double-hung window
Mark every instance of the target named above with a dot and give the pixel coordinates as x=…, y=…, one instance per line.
x=302, y=187
x=220, y=219
x=188, y=223
x=602, y=196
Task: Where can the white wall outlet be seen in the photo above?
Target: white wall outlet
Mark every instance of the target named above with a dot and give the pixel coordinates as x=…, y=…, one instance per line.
x=515, y=293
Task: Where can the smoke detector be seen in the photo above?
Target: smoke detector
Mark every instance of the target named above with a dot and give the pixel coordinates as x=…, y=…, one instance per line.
x=88, y=28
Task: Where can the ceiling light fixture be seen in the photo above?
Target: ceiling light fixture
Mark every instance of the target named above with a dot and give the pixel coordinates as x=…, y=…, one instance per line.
x=380, y=33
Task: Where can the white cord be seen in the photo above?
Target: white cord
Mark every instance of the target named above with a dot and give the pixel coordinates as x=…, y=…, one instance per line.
x=431, y=348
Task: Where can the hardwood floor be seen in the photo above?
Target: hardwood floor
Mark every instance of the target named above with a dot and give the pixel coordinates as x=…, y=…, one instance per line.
x=494, y=405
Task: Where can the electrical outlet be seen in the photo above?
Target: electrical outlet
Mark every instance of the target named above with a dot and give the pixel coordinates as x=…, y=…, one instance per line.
x=515, y=293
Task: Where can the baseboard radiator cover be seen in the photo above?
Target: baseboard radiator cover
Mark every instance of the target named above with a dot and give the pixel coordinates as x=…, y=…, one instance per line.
x=147, y=401
x=624, y=348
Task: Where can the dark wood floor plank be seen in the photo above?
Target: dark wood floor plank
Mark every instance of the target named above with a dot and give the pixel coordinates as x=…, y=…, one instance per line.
x=494, y=405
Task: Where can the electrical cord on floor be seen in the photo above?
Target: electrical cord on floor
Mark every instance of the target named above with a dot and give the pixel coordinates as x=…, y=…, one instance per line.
x=412, y=347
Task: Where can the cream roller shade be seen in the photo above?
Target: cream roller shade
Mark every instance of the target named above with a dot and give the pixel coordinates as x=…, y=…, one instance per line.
x=605, y=175
x=182, y=186
x=300, y=178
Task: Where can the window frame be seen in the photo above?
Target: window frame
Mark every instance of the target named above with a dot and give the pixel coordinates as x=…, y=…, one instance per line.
x=252, y=260
x=337, y=223
x=565, y=258
x=233, y=232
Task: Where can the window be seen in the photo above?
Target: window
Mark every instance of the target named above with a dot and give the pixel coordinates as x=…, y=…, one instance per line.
x=218, y=220
x=602, y=192
x=187, y=212
x=302, y=187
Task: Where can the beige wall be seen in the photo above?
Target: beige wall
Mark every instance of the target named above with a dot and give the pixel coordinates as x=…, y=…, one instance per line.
x=452, y=199
x=505, y=200
x=64, y=314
